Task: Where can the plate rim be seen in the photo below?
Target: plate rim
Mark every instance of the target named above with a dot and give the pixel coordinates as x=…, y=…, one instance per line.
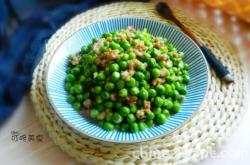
x=125, y=141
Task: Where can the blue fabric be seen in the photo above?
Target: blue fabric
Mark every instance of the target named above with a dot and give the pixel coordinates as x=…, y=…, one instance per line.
x=24, y=28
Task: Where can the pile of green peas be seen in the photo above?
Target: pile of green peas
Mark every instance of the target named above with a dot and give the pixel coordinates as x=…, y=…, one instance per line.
x=101, y=92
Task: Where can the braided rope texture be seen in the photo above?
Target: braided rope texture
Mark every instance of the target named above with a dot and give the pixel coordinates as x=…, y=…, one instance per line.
x=220, y=112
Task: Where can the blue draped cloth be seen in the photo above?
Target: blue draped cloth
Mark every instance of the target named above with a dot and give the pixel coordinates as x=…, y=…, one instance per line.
x=25, y=26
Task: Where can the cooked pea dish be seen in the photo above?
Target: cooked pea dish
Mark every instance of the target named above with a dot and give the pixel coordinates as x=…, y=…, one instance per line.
x=127, y=80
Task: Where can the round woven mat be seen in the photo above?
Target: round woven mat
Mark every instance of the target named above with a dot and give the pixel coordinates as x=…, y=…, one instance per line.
x=219, y=113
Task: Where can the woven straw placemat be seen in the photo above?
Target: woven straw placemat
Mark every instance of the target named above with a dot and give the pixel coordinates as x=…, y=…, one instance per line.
x=219, y=113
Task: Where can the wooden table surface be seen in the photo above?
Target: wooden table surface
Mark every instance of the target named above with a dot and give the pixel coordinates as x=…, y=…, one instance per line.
x=37, y=148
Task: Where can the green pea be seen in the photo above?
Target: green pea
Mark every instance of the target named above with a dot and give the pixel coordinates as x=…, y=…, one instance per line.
x=160, y=89
x=100, y=123
x=131, y=118
x=114, y=45
x=181, y=65
x=78, y=88
x=142, y=67
x=150, y=116
x=157, y=110
x=106, y=34
x=133, y=108
x=158, y=101
x=177, y=85
x=100, y=107
x=76, y=71
x=182, y=90
x=94, y=113
x=72, y=90
x=156, y=73
x=176, y=107
x=153, y=63
x=82, y=78
x=147, y=75
x=67, y=86
x=186, y=66
x=135, y=41
x=107, y=44
x=106, y=70
x=168, y=90
x=105, y=95
x=108, y=104
x=139, y=75
x=175, y=94
x=80, y=97
x=146, y=57
x=118, y=105
x=85, y=49
x=170, y=47
x=117, y=118
x=109, y=86
x=186, y=79
x=163, y=64
x=108, y=126
x=70, y=77
x=93, y=68
x=142, y=126
x=89, y=80
x=125, y=45
x=132, y=82
x=115, y=76
x=120, y=84
x=76, y=106
x=95, y=39
x=134, y=127
x=180, y=79
x=150, y=123
x=143, y=94
x=124, y=127
x=101, y=83
x=152, y=93
x=132, y=56
x=86, y=95
x=160, y=118
x=123, y=65
x=180, y=98
x=184, y=72
x=156, y=52
x=169, y=79
x=69, y=70
x=114, y=68
x=124, y=111
x=150, y=51
x=144, y=84
x=173, y=87
x=97, y=89
x=123, y=92
x=70, y=98
x=99, y=99
x=166, y=113
x=101, y=76
x=125, y=56
x=108, y=116
x=168, y=104
x=104, y=49
x=134, y=91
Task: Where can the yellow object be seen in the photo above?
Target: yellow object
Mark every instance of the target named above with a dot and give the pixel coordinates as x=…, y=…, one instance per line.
x=240, y=8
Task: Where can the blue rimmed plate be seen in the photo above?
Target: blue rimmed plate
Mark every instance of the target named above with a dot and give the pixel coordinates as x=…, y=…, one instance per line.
x=57, y=72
